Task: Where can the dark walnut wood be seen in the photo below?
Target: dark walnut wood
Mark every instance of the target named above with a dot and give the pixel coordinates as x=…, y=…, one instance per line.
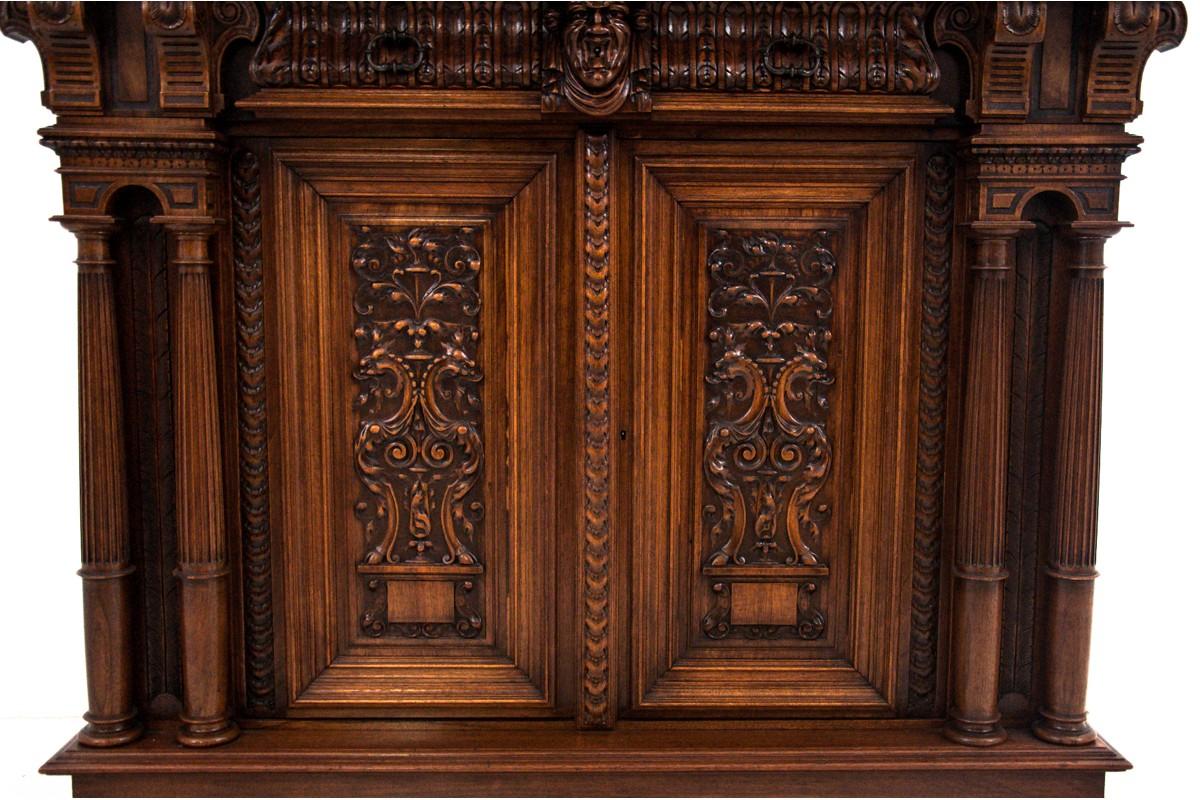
x=623, y=398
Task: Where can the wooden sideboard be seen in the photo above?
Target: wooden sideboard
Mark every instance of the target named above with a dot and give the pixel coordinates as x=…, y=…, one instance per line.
x=590, y=398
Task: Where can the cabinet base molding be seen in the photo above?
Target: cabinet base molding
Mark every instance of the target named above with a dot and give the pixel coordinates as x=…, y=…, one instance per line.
x=364, y=759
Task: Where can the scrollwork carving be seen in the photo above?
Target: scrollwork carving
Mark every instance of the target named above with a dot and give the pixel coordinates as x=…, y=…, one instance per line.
x=767, y=455
x=809, y=625
x=419, y=450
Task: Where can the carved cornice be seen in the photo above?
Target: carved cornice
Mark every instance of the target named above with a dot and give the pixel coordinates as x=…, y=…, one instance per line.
x=144, y=154
x=1004, y=176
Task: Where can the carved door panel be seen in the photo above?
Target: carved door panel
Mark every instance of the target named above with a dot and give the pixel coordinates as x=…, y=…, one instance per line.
x=412, y=303
x=775, y=360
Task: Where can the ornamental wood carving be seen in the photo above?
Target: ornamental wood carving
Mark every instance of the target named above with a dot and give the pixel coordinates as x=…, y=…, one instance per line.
x=645, y=367
x=252, y=431
x=419, y=450
x=597, y=547
x=599, y=58
x=766, y=453
x=931, y=435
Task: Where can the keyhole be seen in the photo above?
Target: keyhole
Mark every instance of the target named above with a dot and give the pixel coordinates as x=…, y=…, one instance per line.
x=622, y=436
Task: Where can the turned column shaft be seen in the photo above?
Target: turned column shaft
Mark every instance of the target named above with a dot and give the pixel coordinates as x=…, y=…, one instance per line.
x=1070, y=566
x=203, y=564
x=107, y=572
x=979, y=545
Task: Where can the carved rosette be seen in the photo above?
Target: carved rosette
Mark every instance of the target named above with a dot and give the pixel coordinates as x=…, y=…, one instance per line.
x=419, y=449
x=767, y=453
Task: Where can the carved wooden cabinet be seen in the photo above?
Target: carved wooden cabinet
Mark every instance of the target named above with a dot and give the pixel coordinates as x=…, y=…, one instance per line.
x=648, y=398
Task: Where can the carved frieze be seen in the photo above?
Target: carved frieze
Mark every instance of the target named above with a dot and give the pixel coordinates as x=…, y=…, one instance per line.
x=185, y=175
x=601, y=57
x=419, y=448
x=1003, y=178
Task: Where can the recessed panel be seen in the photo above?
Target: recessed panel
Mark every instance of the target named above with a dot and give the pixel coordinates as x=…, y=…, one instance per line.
x=418, y=476
x=772, y=470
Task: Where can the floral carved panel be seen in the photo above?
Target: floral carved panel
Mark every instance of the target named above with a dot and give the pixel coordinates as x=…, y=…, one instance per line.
x=419, y=448
x=767, y=453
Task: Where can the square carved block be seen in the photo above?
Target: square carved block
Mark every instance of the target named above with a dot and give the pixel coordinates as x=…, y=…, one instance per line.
x=420, y=601
x=763, y=604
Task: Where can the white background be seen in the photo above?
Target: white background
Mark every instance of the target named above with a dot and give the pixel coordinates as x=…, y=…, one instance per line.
x=1143, y=693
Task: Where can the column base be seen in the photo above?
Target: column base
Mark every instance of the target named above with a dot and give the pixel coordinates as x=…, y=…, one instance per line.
x=207, y=733
x=1059, y=730
x=110, y=732
x=974, y=734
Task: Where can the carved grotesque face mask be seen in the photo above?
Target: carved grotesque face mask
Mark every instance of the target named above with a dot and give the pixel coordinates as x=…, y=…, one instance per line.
x=597, y=43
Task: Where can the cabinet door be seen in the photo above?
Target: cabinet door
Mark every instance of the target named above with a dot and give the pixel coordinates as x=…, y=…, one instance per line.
x=413, y=308
x=776, y=312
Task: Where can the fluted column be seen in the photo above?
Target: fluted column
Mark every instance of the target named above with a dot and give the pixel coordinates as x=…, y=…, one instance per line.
x=200, y=515
x=979, y=543
x=1070, y=565
x=107, y=572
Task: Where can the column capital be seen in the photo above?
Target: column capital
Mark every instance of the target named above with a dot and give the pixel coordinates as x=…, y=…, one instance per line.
x=996, y=229
x=87, y=224
x=1089, y=229
x=183, y=226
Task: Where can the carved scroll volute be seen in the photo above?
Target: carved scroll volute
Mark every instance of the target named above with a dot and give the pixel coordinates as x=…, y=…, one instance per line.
x=1129, y=33
x=190, y=40
x=1001, y=45
x=596, y=59
x=63, y=35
